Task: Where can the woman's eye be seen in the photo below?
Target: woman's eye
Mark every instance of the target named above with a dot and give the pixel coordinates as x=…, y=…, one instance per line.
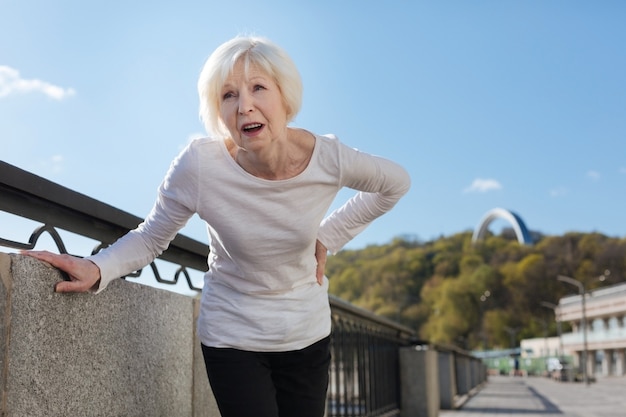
x=228, y=95
x=258, y=87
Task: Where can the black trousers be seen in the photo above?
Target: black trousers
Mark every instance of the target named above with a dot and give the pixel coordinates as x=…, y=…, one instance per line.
x=274, y=384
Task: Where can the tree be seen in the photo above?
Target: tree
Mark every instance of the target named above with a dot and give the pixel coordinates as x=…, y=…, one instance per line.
x=437, y=287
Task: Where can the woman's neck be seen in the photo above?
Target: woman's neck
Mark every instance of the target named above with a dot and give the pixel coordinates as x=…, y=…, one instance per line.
x=287, y=159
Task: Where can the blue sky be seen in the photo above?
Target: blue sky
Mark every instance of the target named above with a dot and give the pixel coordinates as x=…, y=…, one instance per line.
x=512, y=104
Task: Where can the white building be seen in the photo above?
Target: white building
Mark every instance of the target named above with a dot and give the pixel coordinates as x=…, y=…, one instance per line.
x=605, y=314
x=542, y=347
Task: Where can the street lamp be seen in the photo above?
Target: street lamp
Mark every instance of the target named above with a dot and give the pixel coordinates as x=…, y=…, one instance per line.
x=513, y=335
x=582, y=292
x=557, y=316
x=483, y=298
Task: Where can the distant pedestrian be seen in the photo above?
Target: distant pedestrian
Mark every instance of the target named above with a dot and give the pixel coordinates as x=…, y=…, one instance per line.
x=263, y=188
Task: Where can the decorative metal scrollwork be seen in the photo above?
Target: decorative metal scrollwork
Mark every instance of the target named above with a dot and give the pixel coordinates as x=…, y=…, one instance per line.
x=58, y=241
x=34, y=237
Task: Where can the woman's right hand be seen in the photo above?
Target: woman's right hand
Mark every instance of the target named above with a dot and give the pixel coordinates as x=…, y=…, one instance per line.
x=84, y=274
x=320, y=256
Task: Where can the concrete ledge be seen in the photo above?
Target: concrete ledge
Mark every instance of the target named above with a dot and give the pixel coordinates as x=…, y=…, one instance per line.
x=129, y=351
x=5, y=310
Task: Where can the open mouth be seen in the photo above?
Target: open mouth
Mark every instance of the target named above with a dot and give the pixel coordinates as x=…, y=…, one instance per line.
x=252, y=127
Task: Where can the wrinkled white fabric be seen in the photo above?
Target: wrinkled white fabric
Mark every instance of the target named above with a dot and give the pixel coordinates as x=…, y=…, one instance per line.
x=260, y=292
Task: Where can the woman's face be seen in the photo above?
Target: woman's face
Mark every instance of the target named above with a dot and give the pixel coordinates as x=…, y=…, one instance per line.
x=252, y=107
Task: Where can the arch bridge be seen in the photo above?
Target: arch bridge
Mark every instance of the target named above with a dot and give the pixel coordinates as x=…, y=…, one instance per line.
x=521, y=232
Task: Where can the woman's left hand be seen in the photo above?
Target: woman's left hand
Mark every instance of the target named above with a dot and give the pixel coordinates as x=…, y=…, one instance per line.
x=320, y=255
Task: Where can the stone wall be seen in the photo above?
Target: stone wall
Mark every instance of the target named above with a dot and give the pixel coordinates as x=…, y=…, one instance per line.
x=129, y=351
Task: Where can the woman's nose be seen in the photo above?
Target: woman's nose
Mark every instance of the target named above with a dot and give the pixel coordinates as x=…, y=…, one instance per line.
x=245, y=103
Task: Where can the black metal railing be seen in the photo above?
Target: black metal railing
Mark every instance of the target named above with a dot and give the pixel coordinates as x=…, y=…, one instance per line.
x=364, y=376
x=58, y=208
x=365, y=366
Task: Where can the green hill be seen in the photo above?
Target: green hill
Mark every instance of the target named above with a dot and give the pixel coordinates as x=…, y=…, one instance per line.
x=474, y=295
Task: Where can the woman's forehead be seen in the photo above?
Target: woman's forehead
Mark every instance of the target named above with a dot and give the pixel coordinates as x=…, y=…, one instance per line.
x=246, y=70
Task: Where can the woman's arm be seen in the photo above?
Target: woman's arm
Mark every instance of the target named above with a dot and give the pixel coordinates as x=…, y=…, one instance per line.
x=380, y=182
x=174, y=206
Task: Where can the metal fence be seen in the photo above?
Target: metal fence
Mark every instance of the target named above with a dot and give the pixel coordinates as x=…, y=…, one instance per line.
x=364, y=375
x=365, y=365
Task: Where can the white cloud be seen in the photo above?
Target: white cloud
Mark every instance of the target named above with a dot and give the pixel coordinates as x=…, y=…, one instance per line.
x=53, y=165
x=12, y=83
x=480, y=185
x=558, y=192
x=594, y=175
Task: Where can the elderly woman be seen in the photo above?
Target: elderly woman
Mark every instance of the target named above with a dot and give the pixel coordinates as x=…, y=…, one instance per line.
x=263, y=188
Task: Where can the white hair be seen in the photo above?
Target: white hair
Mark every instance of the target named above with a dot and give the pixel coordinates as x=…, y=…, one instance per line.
x=252, y=50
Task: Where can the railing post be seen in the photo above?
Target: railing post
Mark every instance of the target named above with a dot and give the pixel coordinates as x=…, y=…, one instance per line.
x=419, y=381
x=447, y=380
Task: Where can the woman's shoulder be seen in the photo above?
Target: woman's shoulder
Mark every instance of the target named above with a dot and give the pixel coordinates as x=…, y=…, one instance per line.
x=204, y=142
x=204, y=147
x=199, y=153
x=326, y=141
x=327, y=137
x=330, y=143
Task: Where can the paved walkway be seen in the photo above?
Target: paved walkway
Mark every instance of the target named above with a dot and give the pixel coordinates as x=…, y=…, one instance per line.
x=506, y=396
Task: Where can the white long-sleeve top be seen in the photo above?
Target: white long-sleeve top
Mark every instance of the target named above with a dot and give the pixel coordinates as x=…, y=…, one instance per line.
x=260, y=292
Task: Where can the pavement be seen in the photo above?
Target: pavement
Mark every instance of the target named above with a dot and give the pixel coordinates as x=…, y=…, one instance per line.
x=504, y=396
